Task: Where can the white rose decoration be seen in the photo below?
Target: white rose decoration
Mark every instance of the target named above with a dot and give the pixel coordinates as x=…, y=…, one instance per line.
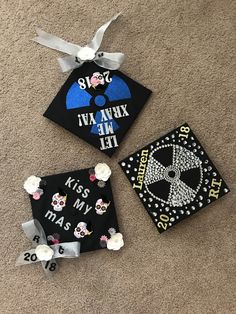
x=115, y=242
x=86, y=53
x=44, y=252
x=102, y=171
x=31, y=185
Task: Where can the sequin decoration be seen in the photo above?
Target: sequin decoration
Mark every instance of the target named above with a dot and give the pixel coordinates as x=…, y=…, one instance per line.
x=173, y=177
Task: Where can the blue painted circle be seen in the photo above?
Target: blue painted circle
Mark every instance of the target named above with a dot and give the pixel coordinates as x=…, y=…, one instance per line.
x=100, y=100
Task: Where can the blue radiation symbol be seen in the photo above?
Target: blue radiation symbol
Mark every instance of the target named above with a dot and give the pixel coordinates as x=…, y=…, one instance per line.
x=79, y=98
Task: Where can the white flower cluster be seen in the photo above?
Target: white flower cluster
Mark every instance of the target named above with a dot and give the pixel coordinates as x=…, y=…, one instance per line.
x=32, y=186
x=44, y=252
x=115, y=242
x=102, y=171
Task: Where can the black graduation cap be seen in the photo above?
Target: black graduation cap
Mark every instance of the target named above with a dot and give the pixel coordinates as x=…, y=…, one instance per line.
x=74, y=197
x=101, y=115
x=174, y=177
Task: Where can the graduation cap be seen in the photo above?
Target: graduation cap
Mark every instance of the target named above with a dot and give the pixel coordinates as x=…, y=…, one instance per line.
x=100, y=114
x=75, y=219
x=174, y=177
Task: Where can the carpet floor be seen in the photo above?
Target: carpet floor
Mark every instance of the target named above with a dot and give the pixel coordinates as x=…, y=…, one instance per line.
x=184, y=51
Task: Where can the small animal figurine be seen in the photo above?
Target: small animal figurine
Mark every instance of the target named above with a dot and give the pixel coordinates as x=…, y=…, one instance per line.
x=81, y=230
x=97, y=80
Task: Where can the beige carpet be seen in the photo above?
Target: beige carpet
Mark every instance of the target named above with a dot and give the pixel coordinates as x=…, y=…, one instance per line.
x=183, y=50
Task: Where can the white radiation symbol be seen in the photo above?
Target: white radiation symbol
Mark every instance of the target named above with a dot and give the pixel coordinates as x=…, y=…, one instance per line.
x=178, y=192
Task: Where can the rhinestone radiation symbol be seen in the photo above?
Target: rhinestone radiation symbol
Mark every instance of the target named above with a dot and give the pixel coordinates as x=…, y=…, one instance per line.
x=179, y=192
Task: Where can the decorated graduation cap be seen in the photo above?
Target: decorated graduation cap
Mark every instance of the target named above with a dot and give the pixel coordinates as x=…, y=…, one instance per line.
x=74, y=212
x=98, y=103
x=174, y=177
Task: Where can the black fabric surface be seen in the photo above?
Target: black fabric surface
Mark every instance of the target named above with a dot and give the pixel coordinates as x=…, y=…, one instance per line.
x=68, y=118
x=197, y=182
x=99, y=224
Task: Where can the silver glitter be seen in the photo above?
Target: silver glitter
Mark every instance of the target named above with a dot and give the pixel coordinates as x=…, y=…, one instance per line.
x=183, y=159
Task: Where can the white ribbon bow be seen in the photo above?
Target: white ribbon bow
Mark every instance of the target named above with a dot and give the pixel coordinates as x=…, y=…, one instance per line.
x=77, y=54
x=35, y=233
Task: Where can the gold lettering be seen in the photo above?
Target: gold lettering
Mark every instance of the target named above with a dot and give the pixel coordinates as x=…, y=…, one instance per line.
x=143, y=160
x=144, y=152
x=135, y=186
x=141, y=170
x=214, y=193
x=214, y=183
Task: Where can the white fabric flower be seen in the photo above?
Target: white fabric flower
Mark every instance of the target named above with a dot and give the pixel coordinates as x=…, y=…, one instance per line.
x=31, y=185
x=102, y=171
x=86, y=53
x=44, y=252
x=115, y=242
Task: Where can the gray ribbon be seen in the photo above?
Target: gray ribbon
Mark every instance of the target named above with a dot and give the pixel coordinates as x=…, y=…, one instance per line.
x=35, y=233
x=77, y=54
